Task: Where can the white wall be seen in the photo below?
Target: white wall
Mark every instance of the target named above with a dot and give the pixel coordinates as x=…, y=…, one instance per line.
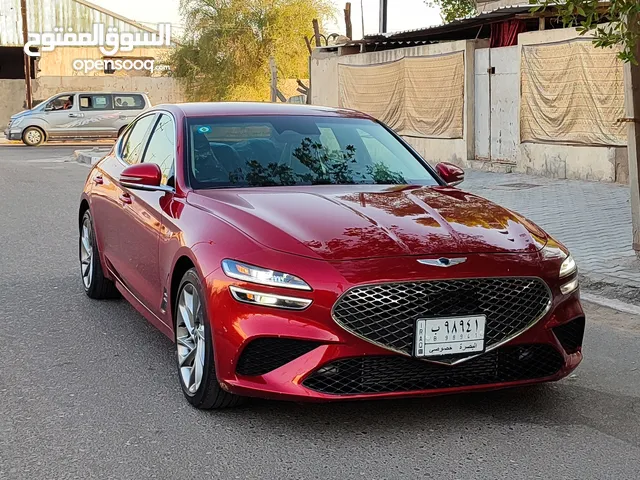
x=324, y=87
x=492, y=120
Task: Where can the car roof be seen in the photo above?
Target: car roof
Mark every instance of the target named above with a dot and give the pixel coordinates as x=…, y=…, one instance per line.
x=257, y=108
x=99, y=93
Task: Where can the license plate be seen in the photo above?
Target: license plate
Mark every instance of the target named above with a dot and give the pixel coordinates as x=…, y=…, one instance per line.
x=436, y=337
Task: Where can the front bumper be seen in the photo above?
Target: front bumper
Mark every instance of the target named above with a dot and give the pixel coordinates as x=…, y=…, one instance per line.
x=312, y=358
x=13, y=133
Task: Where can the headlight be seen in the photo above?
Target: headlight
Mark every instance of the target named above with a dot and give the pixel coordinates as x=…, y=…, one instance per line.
x=569, y=287
x=568, y=267
x=16, y=122
x=263, y=276
x=268, y=299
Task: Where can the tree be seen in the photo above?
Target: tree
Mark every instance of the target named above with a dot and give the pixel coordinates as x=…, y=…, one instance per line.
x=225, y=52
x=454, y=9
x=609, y=24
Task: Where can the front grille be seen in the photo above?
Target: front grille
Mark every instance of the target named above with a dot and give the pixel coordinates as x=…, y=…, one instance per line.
x=571, y=334
x=396, y=373
x=386, y=314
x=266, y=354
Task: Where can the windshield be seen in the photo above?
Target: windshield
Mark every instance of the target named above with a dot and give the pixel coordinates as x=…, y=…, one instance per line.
x=265, y=151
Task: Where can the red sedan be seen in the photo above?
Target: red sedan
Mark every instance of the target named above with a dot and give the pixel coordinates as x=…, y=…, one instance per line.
x=309, y=253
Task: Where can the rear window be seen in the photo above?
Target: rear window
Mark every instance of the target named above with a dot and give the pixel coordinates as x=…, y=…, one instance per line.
x=264, y=151
x=128, y=102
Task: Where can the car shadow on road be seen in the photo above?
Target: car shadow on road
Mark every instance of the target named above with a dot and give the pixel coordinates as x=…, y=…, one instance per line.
x=547, y=405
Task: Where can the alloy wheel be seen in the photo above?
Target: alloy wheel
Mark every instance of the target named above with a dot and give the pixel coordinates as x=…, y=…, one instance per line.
x=190, y=338
x=86, y=252
x=34, y=137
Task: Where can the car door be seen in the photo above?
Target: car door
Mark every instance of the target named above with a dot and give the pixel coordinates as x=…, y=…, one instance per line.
x=98, y=118
x=142, y=222
x=119, y=222
x=62, y=116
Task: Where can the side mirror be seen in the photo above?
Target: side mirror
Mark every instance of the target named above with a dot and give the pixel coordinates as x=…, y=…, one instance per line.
x=48, y=108
x=450, y=173
x=144, y=176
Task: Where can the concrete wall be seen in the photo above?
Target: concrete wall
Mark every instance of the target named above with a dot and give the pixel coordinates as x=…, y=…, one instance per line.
x=324, y=78
x=324, y=86
x=60, y=61
x=608, y=164
x=12, y=97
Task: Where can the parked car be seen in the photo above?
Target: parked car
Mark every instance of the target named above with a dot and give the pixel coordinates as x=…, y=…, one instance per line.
x=87, y=115
x=309, y=253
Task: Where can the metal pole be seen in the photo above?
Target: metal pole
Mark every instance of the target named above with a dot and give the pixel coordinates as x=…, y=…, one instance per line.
x=27, y=58
x=362, y=16
x=383, y=16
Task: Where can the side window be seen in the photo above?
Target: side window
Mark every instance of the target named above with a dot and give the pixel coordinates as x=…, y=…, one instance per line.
x=161, y=149
x=133, y=144
x=63, y=102
x=95, y=102
x=128, y=102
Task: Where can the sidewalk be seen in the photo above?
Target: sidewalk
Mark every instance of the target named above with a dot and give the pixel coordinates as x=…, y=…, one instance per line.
x=593, y=219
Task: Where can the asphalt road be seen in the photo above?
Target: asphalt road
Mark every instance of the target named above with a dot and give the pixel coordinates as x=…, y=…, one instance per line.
x=88, y=389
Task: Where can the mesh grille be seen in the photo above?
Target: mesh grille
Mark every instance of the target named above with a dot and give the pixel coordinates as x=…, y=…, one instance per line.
x=570, y=335
x=386, y=314
x=395, y=373
x=266, y=354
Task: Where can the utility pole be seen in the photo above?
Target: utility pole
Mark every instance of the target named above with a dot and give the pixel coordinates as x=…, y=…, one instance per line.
x=27, y=58
x=383, y=16
x=632, y=104
x=362, y=16
x=347, y=21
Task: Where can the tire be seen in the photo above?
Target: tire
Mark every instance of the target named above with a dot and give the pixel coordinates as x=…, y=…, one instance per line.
x=96, y=285
x=33, y=137
x=194, y=349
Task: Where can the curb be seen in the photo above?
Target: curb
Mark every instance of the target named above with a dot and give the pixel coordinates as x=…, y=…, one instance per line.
x=89, y=157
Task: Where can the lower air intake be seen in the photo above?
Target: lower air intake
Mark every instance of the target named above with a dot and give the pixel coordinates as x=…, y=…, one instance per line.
x=395, y=373
x=266, y=354
x=570, y=335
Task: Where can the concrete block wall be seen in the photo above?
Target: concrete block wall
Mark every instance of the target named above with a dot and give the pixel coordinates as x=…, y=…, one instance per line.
x=599, y=163
x=324, y=91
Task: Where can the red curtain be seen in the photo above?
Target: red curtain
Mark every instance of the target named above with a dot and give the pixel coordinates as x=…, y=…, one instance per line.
x=505, y=34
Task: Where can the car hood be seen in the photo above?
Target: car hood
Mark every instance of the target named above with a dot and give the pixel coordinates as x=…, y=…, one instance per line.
x=353, y=222
x=21, y=114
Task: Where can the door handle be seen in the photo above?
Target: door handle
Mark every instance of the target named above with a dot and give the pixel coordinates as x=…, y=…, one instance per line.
x=125, y=198
x=98, y=180
x=76, y=115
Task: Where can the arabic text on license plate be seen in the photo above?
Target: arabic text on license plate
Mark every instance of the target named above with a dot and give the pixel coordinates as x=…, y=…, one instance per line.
x=449, y=336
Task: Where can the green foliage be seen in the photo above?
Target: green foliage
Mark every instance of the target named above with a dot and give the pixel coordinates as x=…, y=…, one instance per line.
x=610, y=25
x=225, y=52
x=454, y=9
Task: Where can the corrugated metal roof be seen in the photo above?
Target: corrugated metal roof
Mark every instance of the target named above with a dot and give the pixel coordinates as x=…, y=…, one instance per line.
x=45, y=15
x=497, y=14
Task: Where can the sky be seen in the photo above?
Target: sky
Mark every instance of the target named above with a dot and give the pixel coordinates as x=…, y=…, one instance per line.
x=402, y=14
